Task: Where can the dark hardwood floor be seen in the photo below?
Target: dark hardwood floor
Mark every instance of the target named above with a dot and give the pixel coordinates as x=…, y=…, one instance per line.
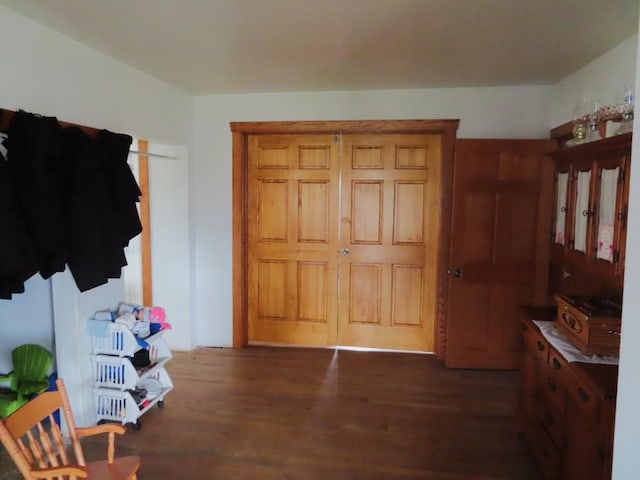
x=285, y=413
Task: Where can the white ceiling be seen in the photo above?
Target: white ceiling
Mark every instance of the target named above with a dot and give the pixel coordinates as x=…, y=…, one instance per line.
x=239, y=46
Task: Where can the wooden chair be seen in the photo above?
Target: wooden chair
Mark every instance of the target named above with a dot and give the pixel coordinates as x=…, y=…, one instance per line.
x=35, y=443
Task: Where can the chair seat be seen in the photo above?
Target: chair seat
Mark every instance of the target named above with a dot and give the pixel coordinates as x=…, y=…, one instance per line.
x=122, y=468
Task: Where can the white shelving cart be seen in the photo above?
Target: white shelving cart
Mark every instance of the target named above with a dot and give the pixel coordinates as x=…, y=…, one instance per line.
x=117, y=382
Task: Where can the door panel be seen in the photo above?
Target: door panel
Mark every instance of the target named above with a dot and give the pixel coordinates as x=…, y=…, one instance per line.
x=292, y=264
x=389, y=196
x=365, y=294
x=366, y=212
x=500, y=227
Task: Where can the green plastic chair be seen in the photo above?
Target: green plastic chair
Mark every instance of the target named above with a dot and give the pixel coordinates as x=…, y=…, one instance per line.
x=31, y=365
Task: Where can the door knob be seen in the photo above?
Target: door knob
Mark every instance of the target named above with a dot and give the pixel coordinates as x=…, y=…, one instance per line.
x=456, y=273
x=344, y=252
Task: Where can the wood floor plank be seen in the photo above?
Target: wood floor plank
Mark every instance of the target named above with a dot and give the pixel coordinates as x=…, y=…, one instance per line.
x=286, y=413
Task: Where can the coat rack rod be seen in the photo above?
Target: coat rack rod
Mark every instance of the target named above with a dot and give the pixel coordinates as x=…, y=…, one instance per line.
x=150, y=154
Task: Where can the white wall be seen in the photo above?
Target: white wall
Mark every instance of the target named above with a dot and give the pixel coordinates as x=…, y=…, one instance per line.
x=24, y=321
x=602, y=79
x=505, y=112
x=170, y=242
x=47, y=73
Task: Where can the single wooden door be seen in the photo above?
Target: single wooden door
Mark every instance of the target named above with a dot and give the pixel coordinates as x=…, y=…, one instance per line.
x=293, y=239
x=388, y=239
x=500, y=241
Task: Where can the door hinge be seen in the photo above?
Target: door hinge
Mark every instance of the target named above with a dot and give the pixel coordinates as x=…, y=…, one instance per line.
x=336, y=138
x=616, y=256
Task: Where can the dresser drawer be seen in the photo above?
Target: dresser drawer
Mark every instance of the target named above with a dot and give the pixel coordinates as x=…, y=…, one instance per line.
x=551, y=417
x=583, y=397
x=554, y=377
x=546, y=453
x=534, y=341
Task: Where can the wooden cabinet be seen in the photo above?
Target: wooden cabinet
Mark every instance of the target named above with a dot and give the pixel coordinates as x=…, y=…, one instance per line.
x=566, y=409
x=591, y=192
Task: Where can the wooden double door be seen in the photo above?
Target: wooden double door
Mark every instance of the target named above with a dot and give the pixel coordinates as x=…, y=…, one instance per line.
x=343, y=239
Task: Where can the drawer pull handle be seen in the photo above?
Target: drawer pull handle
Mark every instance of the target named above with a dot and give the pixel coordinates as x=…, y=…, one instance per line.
x=614, y=332
x=572, y=322
x=556, y=364
x=584, y=396
x=540, y=346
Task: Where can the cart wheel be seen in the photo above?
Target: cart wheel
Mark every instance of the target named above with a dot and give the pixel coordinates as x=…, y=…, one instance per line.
x=101, y=422
x=137, y=425
x=160, y=403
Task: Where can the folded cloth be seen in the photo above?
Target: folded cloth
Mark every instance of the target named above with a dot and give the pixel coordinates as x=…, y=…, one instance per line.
x=560, y=342
x=141, y=329
x=126, y=319
x=124, y=307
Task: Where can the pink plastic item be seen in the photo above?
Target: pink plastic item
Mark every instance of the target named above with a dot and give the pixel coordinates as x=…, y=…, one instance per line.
x=158, y=315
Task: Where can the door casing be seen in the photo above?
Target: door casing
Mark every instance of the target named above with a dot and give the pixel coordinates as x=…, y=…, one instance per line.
x=240, y=133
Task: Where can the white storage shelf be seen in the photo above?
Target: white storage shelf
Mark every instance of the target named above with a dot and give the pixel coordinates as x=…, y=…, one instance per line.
x=114, y=375
x=119, y=372
x=117, y=339
x=120, y=406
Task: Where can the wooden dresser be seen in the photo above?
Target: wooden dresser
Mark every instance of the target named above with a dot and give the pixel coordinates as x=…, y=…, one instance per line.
x=565, y=409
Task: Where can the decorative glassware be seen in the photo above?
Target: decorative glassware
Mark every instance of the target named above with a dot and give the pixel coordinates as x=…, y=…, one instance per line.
x=627, y=110
x=580, y=122
x=594, y=121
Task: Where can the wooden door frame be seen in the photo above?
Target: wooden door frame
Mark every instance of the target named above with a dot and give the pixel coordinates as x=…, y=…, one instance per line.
x=240, y=134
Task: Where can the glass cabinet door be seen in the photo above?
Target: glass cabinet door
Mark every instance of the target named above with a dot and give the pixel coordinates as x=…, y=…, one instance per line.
x=605, y=231
x=610, y=219
x=562, y=184
x=589, y=224
x=582, y=211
